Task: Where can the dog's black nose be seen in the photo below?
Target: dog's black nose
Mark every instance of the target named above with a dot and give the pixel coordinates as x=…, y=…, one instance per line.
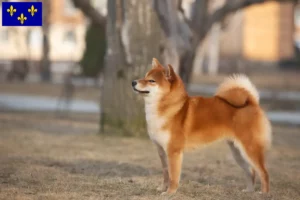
x=134, y=83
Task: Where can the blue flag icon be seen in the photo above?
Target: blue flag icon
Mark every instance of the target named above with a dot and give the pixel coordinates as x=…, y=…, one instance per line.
x=22, y=14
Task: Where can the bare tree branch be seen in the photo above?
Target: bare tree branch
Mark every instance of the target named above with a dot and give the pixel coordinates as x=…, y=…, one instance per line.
x=218, y=15
x=161, y=8
x=229, y=7
x=181, y=10
x=88, y=10
x=199, y=15
x=175, y=28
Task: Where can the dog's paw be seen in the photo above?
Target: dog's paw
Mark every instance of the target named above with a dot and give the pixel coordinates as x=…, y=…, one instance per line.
x=168, y=192
x=264, y=192
x=163, y=194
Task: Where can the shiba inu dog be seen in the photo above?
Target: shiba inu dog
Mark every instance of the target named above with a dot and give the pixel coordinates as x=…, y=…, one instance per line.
x=177, y=122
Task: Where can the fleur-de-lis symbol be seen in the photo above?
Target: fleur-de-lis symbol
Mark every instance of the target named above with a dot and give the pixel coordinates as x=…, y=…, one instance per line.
x=32, y=10
x=11, y=10
x=22, y=18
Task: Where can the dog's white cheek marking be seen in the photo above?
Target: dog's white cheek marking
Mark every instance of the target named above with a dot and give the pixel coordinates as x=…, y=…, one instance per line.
x=154, y=121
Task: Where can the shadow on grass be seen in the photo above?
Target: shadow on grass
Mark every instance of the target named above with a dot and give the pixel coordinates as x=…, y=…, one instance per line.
x=113, y=169
x=99, y=168
x=36, y=175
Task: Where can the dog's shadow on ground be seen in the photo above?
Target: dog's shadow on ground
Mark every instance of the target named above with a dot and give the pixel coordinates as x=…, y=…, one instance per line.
x=115, y=169
x=99, y=168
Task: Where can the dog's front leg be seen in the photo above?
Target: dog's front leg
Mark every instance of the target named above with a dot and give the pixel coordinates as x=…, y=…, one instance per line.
x=163, y=159
x=174, y=167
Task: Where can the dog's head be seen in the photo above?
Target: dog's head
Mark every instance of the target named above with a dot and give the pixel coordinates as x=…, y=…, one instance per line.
x=157, y=82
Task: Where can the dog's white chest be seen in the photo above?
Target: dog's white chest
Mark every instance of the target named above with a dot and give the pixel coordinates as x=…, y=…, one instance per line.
x=155, y=125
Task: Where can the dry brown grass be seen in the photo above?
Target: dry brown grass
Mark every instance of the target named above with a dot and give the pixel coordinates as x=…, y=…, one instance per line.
x=46, y=158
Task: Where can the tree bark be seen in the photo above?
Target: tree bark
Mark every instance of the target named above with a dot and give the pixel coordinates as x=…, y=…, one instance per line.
x=133, y=39
x=45, y=62
x=213, y=57
x=198, y=64
x=89, y=11
x=183, y=36
x=200, y=24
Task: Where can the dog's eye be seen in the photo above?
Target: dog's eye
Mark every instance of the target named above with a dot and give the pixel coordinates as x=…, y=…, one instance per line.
x=152, y=81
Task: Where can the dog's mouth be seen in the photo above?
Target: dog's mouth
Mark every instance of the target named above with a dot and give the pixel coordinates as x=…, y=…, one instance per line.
x=140, y=91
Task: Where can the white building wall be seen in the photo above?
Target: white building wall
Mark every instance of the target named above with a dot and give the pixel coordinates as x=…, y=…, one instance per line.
x=26, y=43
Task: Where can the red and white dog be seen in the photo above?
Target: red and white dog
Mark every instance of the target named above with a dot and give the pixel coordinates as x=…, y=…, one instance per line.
x=177, y=122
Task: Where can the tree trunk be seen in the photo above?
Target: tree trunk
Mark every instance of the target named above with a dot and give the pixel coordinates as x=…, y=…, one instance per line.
x=213, y=56
x=199, y=25
x=133, y=39
x=198, y=65
x=45, y=62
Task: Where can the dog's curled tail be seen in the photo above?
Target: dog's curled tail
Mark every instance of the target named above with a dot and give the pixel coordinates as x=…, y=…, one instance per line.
x=238, y=91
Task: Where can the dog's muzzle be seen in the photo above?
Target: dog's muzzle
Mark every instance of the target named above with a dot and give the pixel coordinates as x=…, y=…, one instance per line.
x=134, y=83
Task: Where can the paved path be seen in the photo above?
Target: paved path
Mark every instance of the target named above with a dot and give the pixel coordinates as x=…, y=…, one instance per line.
x=285, y=117
x=37, y=103
x=264, y=94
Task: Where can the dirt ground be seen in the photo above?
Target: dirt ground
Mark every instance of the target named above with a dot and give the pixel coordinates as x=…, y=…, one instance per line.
x=42, y=157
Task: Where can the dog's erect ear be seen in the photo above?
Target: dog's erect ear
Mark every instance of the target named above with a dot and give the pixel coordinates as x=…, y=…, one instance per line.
x=170, y=73
x=155, y=63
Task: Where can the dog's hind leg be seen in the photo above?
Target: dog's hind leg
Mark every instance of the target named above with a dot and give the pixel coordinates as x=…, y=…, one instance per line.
x=163, y=159
x=255, y=153
x=242, y=162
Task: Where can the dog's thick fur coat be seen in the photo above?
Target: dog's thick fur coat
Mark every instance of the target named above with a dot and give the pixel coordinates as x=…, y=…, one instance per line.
x=177, y=122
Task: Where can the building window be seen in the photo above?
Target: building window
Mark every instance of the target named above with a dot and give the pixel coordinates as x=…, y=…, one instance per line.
x=69, y=8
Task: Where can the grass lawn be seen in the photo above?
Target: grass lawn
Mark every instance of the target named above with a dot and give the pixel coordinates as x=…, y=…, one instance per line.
x=43, y=157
